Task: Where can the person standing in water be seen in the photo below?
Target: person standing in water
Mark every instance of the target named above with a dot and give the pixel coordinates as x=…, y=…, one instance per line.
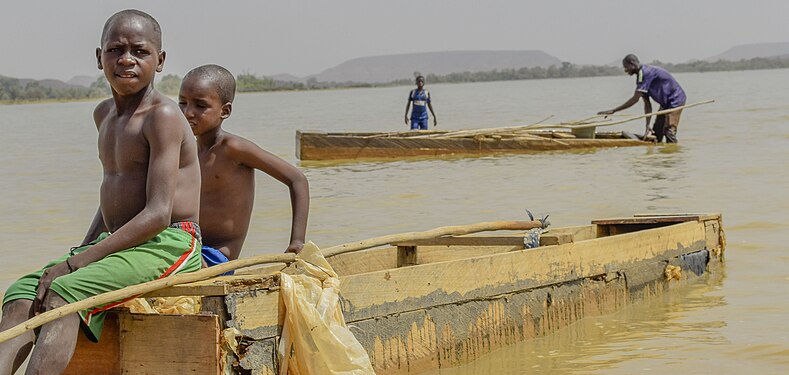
x=419, y=101
x=660, y=85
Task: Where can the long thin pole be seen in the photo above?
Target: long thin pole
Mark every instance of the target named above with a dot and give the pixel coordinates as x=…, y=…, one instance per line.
x=471, y=132
x=580, y=124
x=433, y=233
x=609, y=123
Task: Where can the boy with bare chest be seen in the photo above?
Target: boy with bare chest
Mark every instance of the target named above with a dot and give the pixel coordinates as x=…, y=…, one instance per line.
x=228, y=163
x=146, y=225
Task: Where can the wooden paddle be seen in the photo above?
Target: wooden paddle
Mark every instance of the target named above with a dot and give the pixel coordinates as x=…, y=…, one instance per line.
x=207, y=273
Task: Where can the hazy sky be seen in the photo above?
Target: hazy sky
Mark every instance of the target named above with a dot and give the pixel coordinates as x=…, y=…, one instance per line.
x=57, y=39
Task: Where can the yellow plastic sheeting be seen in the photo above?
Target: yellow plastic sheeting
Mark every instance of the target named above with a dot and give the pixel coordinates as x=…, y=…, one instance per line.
x=185, y=305
x=314, y=338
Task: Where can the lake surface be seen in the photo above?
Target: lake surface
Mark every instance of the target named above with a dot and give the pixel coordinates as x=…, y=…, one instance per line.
x=731, y=159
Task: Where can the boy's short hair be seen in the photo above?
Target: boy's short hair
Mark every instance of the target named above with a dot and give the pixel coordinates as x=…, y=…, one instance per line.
x=129, y=13
x=219, y=77
x=631, y=59
x=420, y=77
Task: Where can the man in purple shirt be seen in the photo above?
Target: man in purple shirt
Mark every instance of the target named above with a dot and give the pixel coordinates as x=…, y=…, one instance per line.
x=656, y=83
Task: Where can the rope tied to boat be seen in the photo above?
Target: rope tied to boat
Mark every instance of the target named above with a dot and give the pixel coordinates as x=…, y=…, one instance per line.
x=531, y=239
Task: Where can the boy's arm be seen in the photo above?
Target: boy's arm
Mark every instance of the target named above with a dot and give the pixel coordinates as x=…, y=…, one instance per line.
x=629, y=103
x=164, y=133
x=407, y=104
x=249, y=154
x=164, y=141
x=430, y=107
x=96, y=227
x=647, y=110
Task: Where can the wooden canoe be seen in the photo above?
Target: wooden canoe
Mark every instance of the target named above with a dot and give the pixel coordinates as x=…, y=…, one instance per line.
x=424, y=304
x=349, y=146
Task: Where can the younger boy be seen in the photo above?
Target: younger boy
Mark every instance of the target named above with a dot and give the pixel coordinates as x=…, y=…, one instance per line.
x=228, y=163
x=420, y=98
x=146, y=225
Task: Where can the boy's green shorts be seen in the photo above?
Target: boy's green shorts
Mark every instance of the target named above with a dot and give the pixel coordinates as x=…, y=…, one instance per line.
x=175, y=250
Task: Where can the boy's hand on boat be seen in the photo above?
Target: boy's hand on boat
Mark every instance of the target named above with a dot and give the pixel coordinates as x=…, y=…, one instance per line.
x=45, y=281
x=606, y=113
x=649, y=135
x=295, y=247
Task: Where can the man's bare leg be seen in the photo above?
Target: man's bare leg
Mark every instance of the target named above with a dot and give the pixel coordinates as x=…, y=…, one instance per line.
x=14, y=351
x=56, y=342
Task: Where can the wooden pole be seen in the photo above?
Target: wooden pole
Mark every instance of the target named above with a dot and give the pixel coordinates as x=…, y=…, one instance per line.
x=472, y=132
x=580, y=124
x=433, y=233
x=492, y=131
x=136, y=290
x=609, y=123
x=401, y=134
x=207, y=273
x=588, y=119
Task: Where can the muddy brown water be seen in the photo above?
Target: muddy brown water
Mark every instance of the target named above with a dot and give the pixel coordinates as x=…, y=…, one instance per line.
x=731, y=159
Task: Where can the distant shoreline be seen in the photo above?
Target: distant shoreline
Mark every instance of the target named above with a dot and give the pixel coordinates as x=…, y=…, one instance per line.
x=49, y=100
x=248, y=83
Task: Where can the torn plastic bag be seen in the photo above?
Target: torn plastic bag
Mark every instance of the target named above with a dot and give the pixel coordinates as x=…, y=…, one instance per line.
x=314, y=338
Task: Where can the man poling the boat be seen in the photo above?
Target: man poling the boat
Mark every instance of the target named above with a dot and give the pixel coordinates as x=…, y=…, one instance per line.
x=660, y=85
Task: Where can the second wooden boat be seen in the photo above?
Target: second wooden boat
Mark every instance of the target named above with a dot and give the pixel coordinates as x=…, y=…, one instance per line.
x=350, y=146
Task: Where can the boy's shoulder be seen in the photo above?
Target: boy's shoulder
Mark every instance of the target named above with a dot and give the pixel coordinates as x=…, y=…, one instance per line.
x=242, y=150
x=160, y=105
x=164, y=106
x=102, y=110
x=232, y=142
x=163, y=110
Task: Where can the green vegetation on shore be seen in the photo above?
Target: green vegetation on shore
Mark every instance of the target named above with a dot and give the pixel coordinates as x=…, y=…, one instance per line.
x=16, y=91
x=568, y=70
x=13, y=90
x=250, y=83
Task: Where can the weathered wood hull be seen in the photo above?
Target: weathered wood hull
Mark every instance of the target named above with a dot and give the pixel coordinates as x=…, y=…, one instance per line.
x=349, y=146
x=426, y=304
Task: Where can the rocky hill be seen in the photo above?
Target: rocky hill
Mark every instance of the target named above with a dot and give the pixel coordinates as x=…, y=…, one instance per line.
x=749, y=51
x=47, y=83
x=393, y=67
x=84, y=81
